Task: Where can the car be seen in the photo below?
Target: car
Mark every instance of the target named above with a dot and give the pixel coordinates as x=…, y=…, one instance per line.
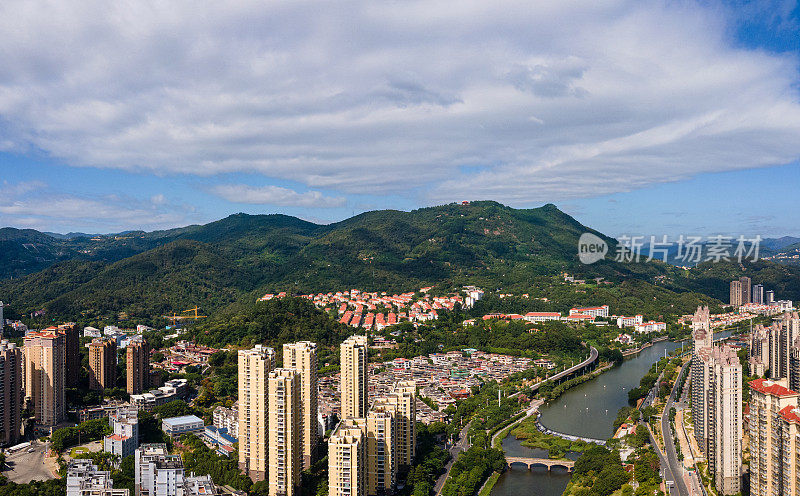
x=31, y=450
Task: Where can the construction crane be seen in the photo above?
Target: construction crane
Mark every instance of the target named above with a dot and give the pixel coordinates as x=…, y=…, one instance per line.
x=175, y=317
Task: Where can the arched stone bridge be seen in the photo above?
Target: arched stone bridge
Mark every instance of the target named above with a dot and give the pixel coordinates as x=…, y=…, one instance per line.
x=545, y=462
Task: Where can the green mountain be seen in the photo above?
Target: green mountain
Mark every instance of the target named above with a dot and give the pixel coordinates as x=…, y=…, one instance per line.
x=238, y=258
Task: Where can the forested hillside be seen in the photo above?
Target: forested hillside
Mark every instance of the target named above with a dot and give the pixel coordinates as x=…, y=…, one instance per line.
x=236, y=259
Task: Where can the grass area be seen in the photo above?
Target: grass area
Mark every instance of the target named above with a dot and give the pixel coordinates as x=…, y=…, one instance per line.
x=74, y=452
x=489, y=485
x=498, y=441
x=533, y=438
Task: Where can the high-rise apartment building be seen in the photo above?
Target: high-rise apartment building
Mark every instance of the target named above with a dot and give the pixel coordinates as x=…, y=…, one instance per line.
x=702, y=341
x=404, y=397
x=746, y=290
x=725, y=420
x=302, y=358
x=736, y=294
x=770, y=297
x=72, y=339
x=347, y=458
x=758, y=294
x=44, y=366
x=285, y=453
x=772, y=456
x=353, y=366
x=11, y=393
x=137, y=366
x=254, y=368
x=102, y=363
x=381, y=435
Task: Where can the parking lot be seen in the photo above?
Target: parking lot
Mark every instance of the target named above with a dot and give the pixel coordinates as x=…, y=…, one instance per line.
x=26, y=465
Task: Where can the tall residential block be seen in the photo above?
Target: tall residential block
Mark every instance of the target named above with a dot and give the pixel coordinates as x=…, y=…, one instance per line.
x=72, y=339
x=758, y=294
x=772, y=452
x=102, y=363
x=285, y=453
x=302, y=358
x=702, y=341
x=137, y=367
x=254, y=368
x=381, y=435
x=746, y=291
x=347, y=458
x=11, y=393
x=44, y=365
x=404, y=396
x=736, y=294
x=725, y=420
x=353, y=365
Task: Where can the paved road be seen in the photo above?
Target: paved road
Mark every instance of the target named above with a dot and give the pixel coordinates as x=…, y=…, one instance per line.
x=675, y=467
x=593, y=354
x=24, y=467
x=461, y=445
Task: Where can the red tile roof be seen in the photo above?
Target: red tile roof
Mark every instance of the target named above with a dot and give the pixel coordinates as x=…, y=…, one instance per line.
x=791, y=413
x=769, y=387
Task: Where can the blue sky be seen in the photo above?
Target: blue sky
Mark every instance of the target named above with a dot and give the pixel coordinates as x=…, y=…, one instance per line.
x=636, y=117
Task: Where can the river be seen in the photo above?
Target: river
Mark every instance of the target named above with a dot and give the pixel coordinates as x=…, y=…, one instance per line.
x=587, y=410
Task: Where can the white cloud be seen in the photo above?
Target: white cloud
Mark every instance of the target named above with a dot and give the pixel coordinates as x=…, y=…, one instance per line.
x=546, y=100
x=275, y=195
x=35, y=205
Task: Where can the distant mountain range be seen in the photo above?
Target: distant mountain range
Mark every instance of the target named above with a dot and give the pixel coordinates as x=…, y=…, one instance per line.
x=243, y=256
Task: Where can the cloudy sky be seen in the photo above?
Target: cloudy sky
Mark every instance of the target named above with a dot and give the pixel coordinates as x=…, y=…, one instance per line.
x=635, y=116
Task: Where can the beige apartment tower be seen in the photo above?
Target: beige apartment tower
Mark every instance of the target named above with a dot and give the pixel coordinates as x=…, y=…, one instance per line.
x=347, y=458
x=302, y=358
x=353, y=364
x=404, y=399
x=254, y=368
x=44, y=365
x=102, y=363
x=285, y=453
x=11, y=393
x=772, y=453
x=725, y=420
x=381, y=433
x=137, y=367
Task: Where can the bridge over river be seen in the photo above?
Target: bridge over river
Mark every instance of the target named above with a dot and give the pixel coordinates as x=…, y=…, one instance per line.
x=545, y=462
x=575, y=370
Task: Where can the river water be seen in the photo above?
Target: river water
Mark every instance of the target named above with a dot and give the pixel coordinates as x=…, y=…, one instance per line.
x=587, y=410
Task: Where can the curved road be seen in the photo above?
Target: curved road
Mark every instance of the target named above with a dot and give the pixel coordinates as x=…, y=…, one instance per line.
x=674, y=466
x=593, y=354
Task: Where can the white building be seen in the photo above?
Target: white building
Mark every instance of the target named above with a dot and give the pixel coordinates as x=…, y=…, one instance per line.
x=623, y=321
x=648, y=327
x=227, y=418
x=157, y=473
x=601, y=311
x=125, y=437
x=187, y=424
x=84, y=479
x=542, y=316
x=92, y=332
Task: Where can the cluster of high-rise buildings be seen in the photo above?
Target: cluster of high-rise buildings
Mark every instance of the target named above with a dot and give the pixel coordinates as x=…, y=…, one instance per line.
x=371, y=444
x=743, y=292
x=278, y=422
x=278, y=433
x=38, y=374
x=716, y=393
x=775, y=350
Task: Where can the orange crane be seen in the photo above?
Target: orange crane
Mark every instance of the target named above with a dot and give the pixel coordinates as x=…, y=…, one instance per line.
x=175, y=317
